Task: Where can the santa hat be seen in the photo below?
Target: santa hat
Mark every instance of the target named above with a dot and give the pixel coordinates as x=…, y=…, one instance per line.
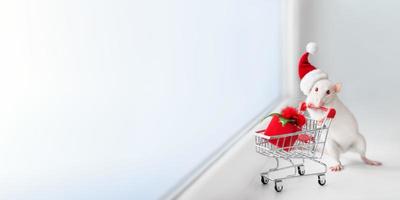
x=308, y=74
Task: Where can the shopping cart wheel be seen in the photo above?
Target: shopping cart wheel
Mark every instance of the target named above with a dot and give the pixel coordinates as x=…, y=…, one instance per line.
x=264, y=180
x=301, y=170
x=321, y=179
x=278, y=186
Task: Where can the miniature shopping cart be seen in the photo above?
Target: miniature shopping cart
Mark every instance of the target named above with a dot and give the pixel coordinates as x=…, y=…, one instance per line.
x=309, y=145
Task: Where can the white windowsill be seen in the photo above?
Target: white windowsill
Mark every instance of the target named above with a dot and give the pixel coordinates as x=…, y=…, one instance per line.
x=215, y=178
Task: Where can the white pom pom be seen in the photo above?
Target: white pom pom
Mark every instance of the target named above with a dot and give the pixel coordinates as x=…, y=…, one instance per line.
x=312, y=47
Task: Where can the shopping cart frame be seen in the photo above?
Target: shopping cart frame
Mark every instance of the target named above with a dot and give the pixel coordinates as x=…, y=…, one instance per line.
x=299, y=151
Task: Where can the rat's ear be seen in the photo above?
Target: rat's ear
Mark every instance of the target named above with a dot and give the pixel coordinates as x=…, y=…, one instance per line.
x=338, y=87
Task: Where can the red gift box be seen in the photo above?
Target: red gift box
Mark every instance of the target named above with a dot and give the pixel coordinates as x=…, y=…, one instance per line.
x=289, y=121
x=275, y=127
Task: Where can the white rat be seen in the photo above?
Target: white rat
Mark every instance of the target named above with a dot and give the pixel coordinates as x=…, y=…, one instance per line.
x=321, y=93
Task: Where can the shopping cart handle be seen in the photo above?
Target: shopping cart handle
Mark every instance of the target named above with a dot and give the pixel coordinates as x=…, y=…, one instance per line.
x=303, y=106
x=332, y=113
x=260, y=131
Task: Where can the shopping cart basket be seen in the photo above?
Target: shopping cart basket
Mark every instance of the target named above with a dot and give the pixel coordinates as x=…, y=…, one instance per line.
x=309, y=144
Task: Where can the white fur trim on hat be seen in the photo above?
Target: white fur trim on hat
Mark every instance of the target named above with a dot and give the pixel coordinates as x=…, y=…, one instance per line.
x=312, y=47
x=308, y=81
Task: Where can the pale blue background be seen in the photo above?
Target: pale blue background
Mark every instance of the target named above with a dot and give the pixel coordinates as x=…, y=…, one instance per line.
x=118, y=99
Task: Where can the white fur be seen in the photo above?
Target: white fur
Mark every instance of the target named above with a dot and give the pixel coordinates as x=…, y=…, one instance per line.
x=308, y=81
x=312, y=48
x=343, y=133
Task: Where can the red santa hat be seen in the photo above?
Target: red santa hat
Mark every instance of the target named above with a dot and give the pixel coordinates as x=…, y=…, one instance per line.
x=308, y=74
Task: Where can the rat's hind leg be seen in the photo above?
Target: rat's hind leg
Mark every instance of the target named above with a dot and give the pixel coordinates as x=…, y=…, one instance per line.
x=333, y=150
x=360, y=147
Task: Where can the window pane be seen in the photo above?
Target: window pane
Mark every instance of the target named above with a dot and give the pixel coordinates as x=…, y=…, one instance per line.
x=116, y=99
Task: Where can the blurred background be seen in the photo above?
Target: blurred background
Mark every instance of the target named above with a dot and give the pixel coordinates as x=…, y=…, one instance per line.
x=154, y=99
x=126, y=99
x=358, y=47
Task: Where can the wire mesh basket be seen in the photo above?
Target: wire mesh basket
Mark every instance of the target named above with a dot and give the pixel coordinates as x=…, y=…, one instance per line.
x=309, y=143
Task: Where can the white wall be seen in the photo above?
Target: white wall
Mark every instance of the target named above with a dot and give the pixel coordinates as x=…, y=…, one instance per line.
x=358, y=46
x=121, y=99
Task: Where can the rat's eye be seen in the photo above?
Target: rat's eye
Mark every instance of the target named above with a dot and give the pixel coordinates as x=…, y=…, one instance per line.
x=316, y=89
x=328, y=92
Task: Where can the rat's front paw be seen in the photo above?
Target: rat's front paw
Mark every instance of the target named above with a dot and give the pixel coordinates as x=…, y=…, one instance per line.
x=336, y=168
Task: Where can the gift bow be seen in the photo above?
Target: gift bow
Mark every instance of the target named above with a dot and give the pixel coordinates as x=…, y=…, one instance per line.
x=283, y=120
